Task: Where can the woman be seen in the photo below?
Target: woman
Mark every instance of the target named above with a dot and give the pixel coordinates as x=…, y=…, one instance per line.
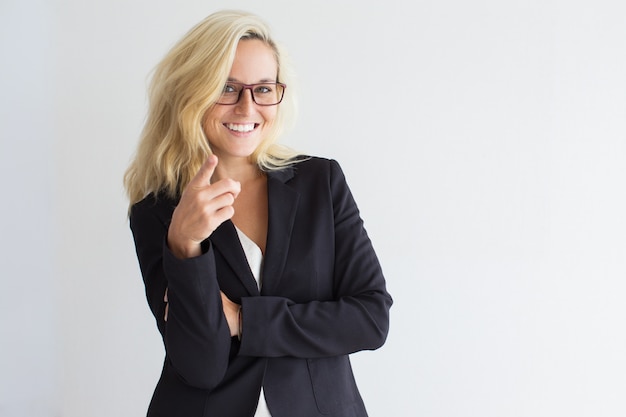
x=257, y=268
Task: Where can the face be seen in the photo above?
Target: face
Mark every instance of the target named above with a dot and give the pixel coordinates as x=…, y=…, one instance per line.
x=235, y=131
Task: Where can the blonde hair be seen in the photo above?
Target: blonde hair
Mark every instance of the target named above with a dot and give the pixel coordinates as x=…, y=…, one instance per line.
x=187, y=83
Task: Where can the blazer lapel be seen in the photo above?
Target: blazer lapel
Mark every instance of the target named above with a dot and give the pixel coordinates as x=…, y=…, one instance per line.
x=227, y=243
x=283, y=203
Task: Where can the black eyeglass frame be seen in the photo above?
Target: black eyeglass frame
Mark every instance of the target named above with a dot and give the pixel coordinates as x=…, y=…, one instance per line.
x=250, y=87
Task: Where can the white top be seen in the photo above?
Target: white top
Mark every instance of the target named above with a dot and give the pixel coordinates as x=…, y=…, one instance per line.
x=255, y=260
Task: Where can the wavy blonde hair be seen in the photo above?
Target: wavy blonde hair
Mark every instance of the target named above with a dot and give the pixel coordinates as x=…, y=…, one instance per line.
x=187, y=83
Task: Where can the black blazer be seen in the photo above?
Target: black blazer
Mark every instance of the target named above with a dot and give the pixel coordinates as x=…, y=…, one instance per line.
x=323, y=297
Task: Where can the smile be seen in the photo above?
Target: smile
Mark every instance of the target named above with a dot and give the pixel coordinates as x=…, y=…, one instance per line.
x=248, y=127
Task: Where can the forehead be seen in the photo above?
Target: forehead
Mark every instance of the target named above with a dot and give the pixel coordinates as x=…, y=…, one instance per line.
x=254, y=61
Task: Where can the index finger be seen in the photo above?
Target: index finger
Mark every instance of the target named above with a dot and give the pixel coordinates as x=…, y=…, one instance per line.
x=204, y=174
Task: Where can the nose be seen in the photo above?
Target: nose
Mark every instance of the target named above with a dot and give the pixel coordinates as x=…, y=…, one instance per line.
x=245, y=104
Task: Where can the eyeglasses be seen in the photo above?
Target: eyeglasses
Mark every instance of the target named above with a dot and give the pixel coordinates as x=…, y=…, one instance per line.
x=263, y=94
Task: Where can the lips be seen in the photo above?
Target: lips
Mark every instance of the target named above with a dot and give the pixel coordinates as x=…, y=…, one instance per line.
x=245, y=127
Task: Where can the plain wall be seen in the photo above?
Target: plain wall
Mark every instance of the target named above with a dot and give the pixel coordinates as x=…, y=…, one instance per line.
x=484, y=141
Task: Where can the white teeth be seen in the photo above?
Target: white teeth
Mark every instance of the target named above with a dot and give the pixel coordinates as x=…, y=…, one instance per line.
x=240, y=128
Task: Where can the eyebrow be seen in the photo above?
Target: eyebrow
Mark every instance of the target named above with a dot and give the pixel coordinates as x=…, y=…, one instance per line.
x=264, y=80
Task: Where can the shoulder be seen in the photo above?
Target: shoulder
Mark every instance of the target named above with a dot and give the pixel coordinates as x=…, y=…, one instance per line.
x=304, y=168
x=317, y=166
x=154, y=207
x=314, y=174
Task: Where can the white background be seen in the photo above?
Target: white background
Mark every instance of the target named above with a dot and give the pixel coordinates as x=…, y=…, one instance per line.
x=485, y=142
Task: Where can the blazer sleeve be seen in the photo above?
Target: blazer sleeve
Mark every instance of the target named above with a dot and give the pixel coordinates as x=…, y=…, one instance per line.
x=196, y=335
x=357, y=318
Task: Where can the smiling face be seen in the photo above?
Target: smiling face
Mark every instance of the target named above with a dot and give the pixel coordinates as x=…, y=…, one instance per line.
x=235, y=131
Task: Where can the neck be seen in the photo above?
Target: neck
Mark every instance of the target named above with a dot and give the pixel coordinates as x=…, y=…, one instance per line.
x=238, y=169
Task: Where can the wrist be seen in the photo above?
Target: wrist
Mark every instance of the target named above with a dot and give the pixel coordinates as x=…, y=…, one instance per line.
x=186, y=250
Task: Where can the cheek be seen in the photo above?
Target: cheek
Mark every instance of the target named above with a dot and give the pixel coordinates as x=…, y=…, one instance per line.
x=269, y=114
x=211, y=122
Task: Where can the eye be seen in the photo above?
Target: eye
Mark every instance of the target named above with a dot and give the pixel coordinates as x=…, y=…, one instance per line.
x=230, y=89
x=264, y=89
